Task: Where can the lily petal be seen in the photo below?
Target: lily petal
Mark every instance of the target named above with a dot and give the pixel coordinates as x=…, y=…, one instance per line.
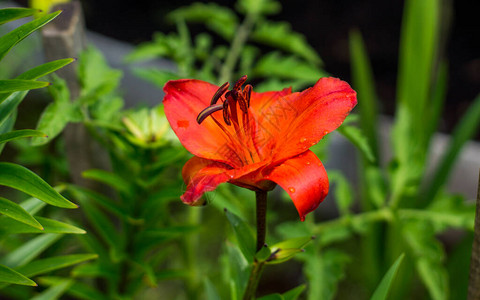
x=204, y=175
x=304, y=178
x=292, y=123
x=184, y=100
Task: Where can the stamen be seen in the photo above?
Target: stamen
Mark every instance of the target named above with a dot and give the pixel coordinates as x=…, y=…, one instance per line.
x=239, y=83
x=208, y=111
x=247, y=91
x=226, y=116
x=219, y=93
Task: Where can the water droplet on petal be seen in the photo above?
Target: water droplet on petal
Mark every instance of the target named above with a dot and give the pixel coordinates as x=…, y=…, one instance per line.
x=183, y=123
x=291, y=189
x=326, y=132
x=307, y=162
x=303, y=140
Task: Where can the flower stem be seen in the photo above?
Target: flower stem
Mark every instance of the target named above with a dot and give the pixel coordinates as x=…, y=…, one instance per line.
x=261, y=211
x=261, y=197
x=239, y=40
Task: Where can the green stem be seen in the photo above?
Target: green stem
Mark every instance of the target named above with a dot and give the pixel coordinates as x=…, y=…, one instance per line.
x=238, y=42
x=384, y=214
x=261, y=197
x=190, y=249
x=261, y=212
x=253, y=280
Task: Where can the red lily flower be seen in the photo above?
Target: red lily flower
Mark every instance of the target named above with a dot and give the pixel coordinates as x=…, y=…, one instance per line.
x=256, y=140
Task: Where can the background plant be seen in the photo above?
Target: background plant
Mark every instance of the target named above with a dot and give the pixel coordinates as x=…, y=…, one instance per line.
x=23, y=249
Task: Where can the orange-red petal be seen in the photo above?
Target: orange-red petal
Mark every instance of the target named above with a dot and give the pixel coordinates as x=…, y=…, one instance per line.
x=184, y=100
x=304, y=178
x=204, y=175
x=289, y=124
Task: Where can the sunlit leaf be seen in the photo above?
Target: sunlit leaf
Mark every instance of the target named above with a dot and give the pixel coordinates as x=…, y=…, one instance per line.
x=49, y=226
x=15, y=85
x=8, y=275
x=11, y=14
x=16, y=212
x=46, y=265
x=18, y=134
x=24, y=180
x=382, y=290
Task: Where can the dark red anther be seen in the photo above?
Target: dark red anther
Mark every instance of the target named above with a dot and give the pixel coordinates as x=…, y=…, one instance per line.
x=239, y=83
x=208, y=111
x=247, y=91
x=226, y=115
x=221, y=90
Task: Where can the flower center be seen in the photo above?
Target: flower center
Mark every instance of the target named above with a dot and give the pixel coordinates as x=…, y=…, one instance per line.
x=235, y=107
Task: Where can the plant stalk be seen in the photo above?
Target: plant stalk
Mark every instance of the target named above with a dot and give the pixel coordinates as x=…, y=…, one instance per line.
x=261, y=200
x=239, y=40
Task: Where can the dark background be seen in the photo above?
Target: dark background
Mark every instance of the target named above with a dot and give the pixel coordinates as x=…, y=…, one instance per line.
x=326, y=25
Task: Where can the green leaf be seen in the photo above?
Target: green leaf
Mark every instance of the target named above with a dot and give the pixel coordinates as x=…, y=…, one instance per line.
x=275, y=296
x=11, y=14
x=356, y=137
x=429, y=255
x=30, y=250
x=22, y=179
x=259, y=7
x=244, y=235
x=16, y=212
x=343, y=191
x=57, y=114
x=15, y=36
x=287, y=67
x=14, y=85
x=294, y=293
x=46, y=265
x=210, y=290
x=280, y=35
x=96, y=77
x=55, y=291
x=325, y=270
x=8, y=107
x=77, y=289
x=382, y=290
x=8, y=275
x=45, y=69
x=220, y=20
x=155, y=76
x=49, y=226
x=465, y=130
x=295, y=243
x=18, y=134
x=364, y=84
x=111, y=179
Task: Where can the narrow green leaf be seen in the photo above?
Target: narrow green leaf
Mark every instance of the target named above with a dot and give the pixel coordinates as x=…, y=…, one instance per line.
x=343, y=191
x=22, y=179
x=55, y=291
x=294, y=293
x=8, y=275
x=287, y=67
x=364, y=83
x=17, y=134
x=295, y=243
x=57, y=114
x=11, y=14
x=356, y=137
x=16, y=212
x=111, y=179
x=7, y=107
x=15, y=36
x=30, y=250
x=465, y=130
x=45, y=69
x=210, y=290
x=46, y=265
x=244, y=235
x=221, y=20
x=275, y=296
x=77, y=289
x=382, y=290
x=280, y=35
x=49, y=226
x=14, y=85
x=7, y=126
